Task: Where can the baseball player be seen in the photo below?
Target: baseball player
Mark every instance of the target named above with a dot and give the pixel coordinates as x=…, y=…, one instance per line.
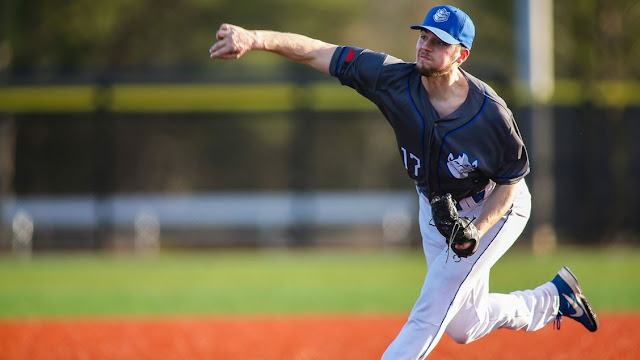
x=460, y=144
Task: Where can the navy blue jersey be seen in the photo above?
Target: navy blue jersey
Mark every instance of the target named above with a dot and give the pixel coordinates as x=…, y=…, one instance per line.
x=459, y=153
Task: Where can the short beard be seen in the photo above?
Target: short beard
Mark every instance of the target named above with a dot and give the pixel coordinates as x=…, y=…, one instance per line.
x=432, y=73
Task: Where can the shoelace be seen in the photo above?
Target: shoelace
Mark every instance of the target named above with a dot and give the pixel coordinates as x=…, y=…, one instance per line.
x=557, y=322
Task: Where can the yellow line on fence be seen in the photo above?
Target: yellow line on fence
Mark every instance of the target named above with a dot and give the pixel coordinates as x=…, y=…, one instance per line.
x=196, y=98
x=47, y=98
x=180, y=98
x=322, y=96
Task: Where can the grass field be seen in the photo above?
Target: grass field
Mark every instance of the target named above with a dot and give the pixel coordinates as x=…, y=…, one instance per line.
x=272, y=282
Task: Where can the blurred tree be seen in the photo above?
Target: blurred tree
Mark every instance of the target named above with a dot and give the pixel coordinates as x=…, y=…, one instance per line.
x=598, y=39
x=594, y=38
x=80, y=33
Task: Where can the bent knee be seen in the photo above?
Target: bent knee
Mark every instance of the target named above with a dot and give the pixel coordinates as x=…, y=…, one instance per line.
x=460, y=337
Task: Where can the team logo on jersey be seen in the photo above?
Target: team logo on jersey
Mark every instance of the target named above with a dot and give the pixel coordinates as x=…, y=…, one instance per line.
x=460, y=167
x=441, y=15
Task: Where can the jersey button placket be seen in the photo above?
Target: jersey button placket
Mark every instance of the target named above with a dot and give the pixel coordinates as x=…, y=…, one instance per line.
x=433, y=193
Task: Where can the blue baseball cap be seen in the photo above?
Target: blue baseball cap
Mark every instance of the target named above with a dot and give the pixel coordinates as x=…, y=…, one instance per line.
x=450, y=24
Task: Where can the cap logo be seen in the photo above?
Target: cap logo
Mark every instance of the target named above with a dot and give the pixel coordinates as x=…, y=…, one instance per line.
x=441, y=15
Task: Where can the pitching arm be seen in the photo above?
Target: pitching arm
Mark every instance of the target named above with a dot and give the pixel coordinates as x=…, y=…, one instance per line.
x=234, y=41
x=496, y=205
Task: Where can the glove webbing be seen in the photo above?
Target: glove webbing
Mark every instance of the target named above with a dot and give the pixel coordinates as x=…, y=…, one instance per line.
x=454, y=232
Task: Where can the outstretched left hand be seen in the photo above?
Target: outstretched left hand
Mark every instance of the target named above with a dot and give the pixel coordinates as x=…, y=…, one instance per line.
x=233, y=42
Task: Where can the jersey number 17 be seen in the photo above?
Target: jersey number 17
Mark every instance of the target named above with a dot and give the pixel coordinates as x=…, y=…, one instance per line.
x=416, y=167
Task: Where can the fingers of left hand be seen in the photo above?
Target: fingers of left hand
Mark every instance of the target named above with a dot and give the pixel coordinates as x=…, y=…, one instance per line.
x=226, y=53
x=214, y=47
x=220, y=48
x=221, y=34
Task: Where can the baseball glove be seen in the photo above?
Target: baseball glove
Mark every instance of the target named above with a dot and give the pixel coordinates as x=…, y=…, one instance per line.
x=456, y=229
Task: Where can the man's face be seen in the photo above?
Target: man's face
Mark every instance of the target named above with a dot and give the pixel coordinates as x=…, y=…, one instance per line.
x=434, y=57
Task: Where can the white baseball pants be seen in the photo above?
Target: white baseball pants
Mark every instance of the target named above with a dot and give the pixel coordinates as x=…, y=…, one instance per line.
x=455, y=296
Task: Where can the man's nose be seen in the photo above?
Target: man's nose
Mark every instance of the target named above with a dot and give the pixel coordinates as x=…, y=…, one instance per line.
x=427, y=45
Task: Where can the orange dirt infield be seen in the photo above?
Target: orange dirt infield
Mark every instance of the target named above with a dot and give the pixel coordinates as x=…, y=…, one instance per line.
x=296, y=338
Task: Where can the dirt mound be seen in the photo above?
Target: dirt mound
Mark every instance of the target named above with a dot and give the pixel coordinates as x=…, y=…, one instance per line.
x=294, y=337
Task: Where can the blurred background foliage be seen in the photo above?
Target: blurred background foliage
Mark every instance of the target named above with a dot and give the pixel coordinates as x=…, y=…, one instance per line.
x=595, y=39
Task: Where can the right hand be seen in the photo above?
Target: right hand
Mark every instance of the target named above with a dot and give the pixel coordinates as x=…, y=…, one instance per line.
x=466, y=242
x=233, y=42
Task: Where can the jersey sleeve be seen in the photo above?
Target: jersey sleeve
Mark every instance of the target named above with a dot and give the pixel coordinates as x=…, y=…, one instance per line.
x=515, y=162
x=358, y=68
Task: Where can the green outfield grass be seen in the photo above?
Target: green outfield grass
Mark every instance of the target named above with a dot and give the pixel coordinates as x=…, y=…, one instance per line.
x=226, y=282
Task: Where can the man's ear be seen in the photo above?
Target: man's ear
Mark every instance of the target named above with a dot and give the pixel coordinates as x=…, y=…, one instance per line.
x=464, y=54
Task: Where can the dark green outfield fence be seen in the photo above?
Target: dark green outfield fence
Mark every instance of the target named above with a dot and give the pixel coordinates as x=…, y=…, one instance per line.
x=79, y=139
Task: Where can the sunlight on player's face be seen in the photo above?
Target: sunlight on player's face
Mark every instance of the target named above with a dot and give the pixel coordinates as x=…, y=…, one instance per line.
x=434, y=57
